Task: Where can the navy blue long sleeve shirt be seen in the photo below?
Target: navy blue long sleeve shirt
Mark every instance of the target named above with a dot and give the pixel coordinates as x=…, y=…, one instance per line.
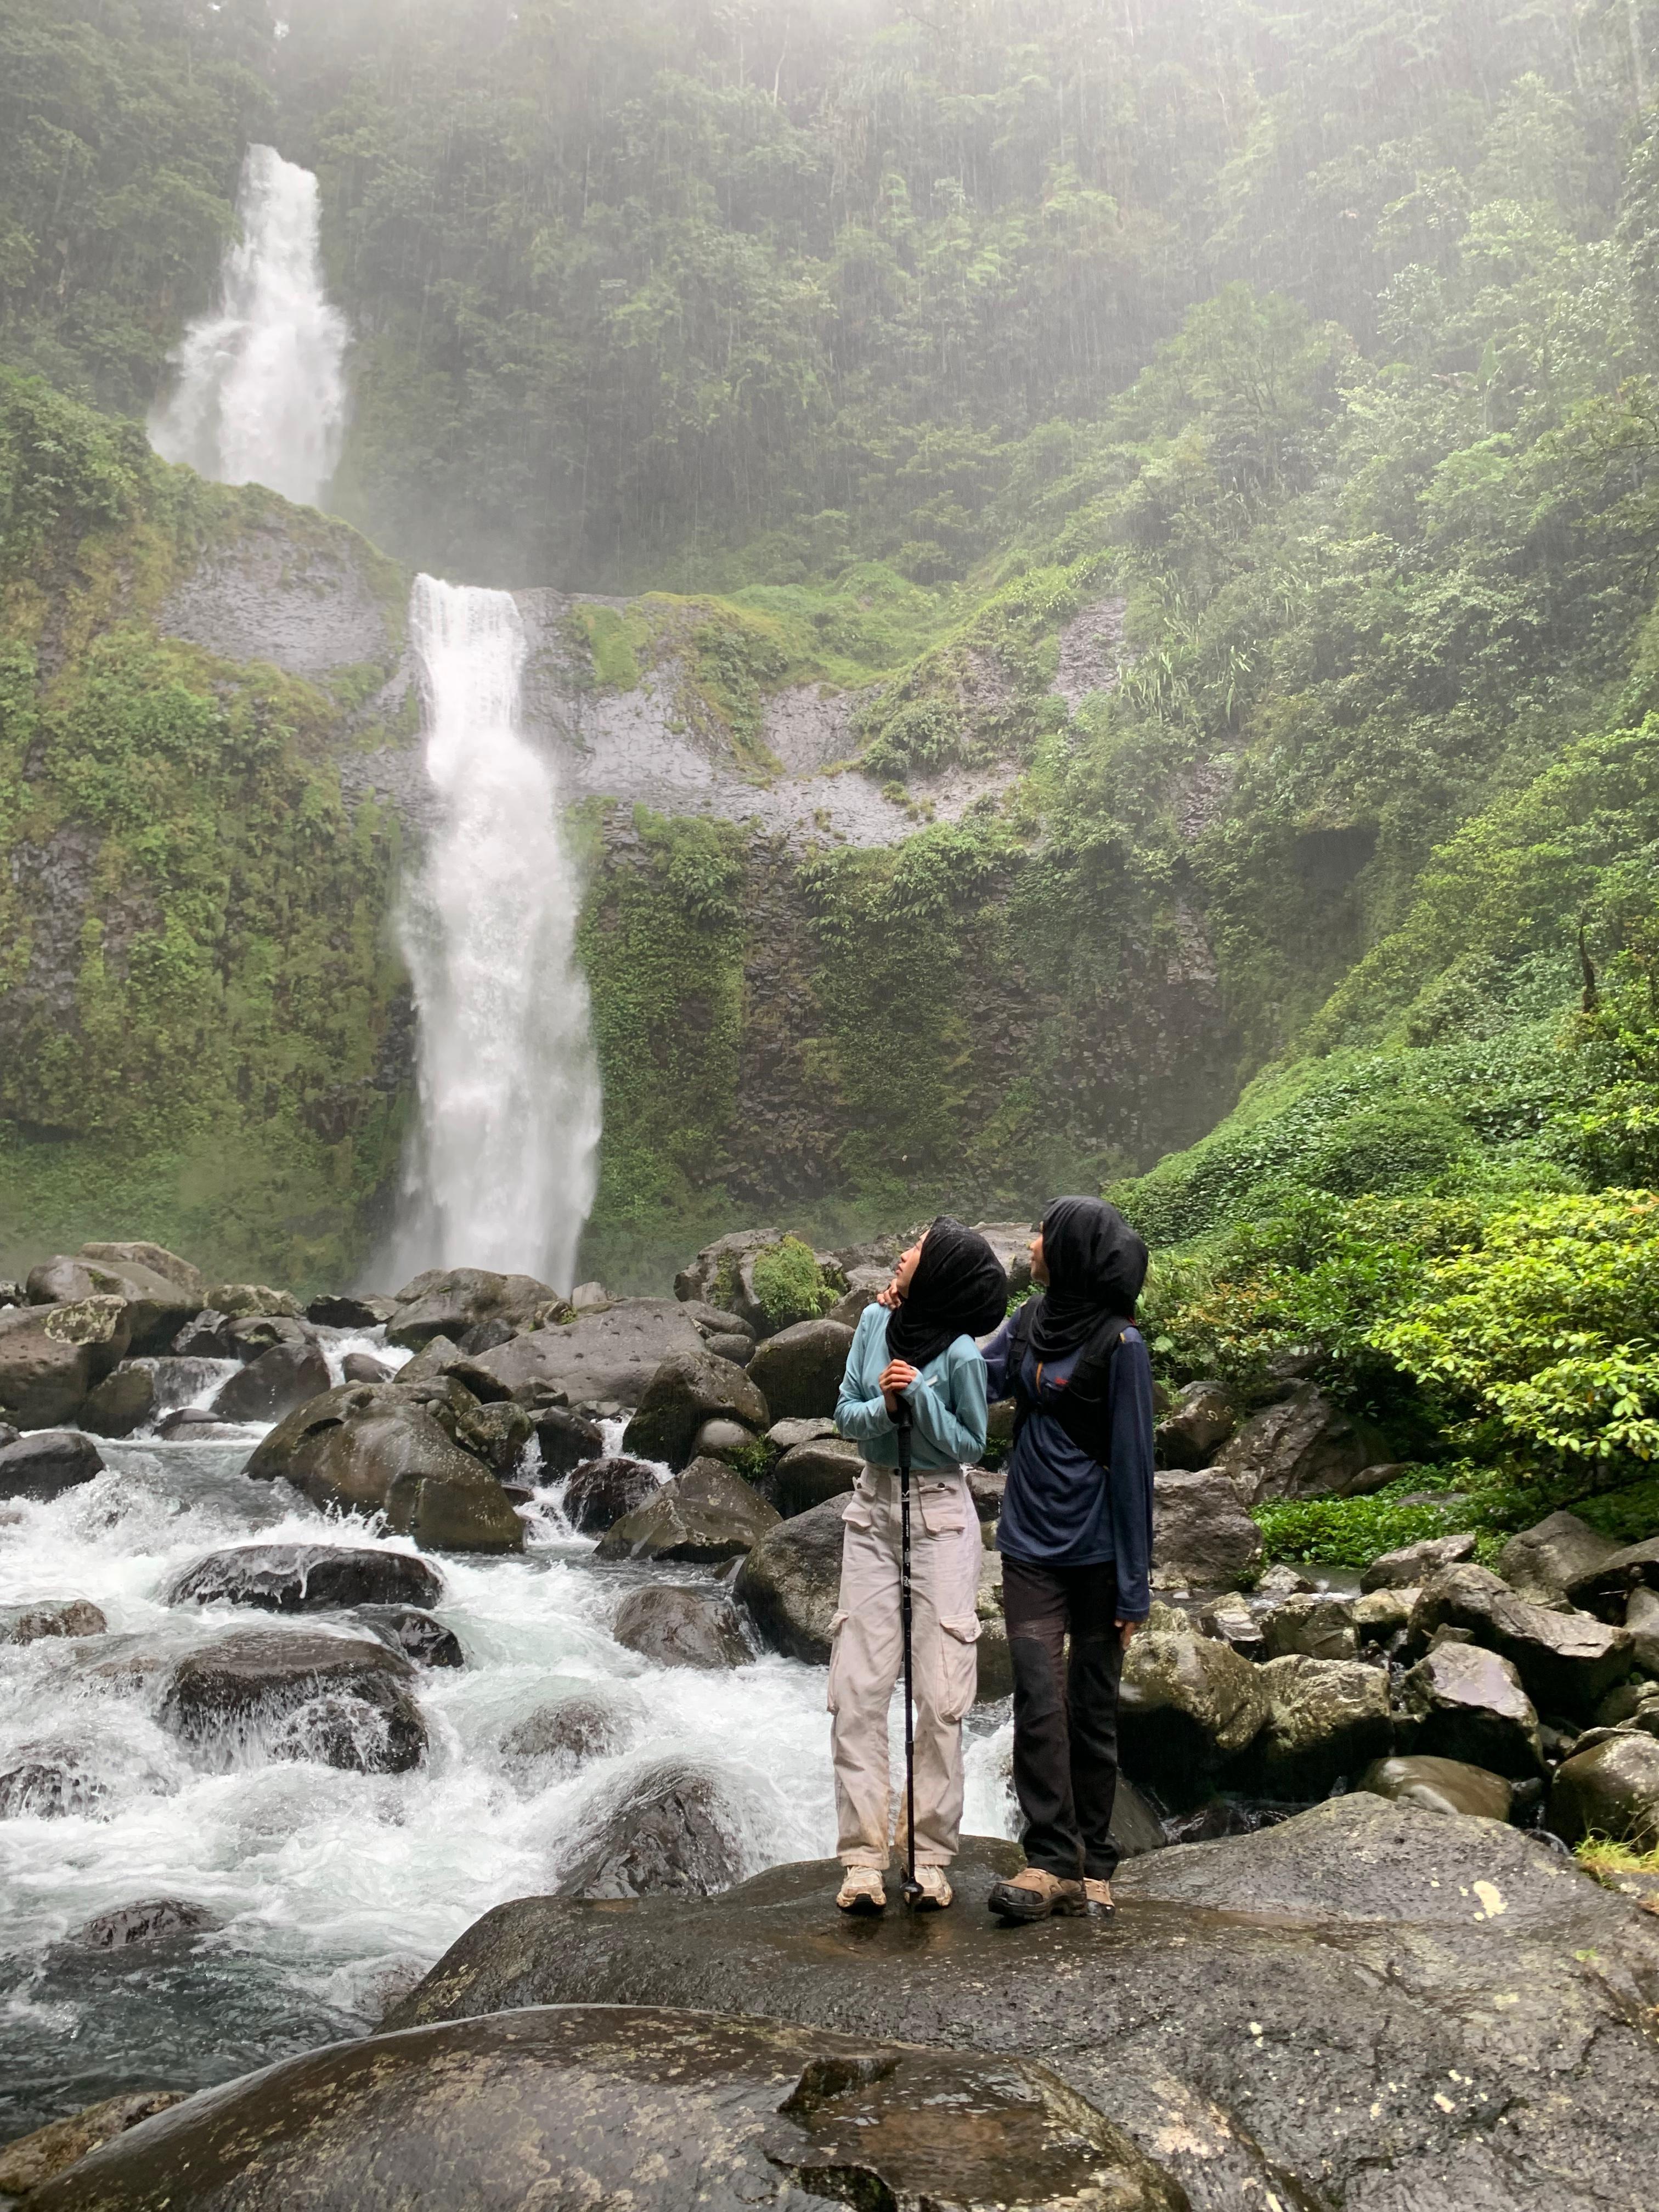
x=1062, y=1509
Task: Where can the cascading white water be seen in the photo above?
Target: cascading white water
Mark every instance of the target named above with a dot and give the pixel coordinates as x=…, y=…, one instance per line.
x=261, y=395
x=502, y=1170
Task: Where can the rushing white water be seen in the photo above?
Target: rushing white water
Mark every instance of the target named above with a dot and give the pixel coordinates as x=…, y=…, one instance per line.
x=502, y=1170
x=261, y=389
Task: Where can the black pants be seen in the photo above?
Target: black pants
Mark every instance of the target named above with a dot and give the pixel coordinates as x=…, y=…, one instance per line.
x=1065, y=1712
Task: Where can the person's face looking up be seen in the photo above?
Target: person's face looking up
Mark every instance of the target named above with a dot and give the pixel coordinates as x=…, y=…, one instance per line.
x=904, y=1274
x=1039, y=1265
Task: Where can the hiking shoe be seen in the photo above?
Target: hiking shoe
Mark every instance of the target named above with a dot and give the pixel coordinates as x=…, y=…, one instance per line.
x=936, y=1891
x=1035, y=1894
x=1099, y=1894
x=862, y=1889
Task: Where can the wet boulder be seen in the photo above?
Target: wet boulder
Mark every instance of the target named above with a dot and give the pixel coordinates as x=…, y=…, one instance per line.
x=798, y=1371
x=205, y=1335
x=49, y=1617
x=49, y=1781
x=250, y=1335
x=723, y=1440
x=1202, y=1537
x=993, y=1662
x=30, y=2161
x=307, y=1579
x=1461, y=1702
x=1413, y=1564
x=154, y=1921
x=363, y=1367
x=1303, y=1446
x=567, y=1441
x=598, y=1359
x=51, y=1356
x=122, y=1402
x=1441, y=1785
x=1642, y=1620
x=711, y=1321
x=812, y=1473
x=342, y=1701
x=1188, y=1707
x=435, y=1358
x=1543, y=1562
x=784, y=1436
x=46, y=1462
x=1319, y=1627
x=590, y=1721
x=252, y=1301
x=680, y=1625
x=605, y=1491
x=155, y=1303
x=1198, y=1423
x=675, y=1832
x=1282, y=1580
x=1568, y=1661
x=350, y=1309
x=419, y=1635
x=704, y=1516
x=1380, y=1615
x=688, y=1389
x=609, y=2107
x=278, y=1381
x=789, y=1583
x=497, y=1434
x=1235, y=1622
x=1612, y=1790
x=721, y=1277
x=1327, y=1720
x=1605, y=1589
x=450, y=1301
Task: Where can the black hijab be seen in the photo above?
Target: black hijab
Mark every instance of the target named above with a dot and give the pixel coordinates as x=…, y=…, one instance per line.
x=1097, y=1265
x=960, y=1288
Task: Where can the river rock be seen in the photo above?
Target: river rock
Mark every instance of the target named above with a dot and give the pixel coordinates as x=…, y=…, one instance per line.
x=288, y=1376
x=363, y=1367
x=1202, y=1537
x=51, y=1356
x=986, y=1486
x=1441, y=1785
x=1413, y=1564
x=307, y=1579
x=1203, y=1418
x=418, y=1635
x=688, y=1389
x=798, y=1371
x=1568, y=1661
x=64, y=1616
x=1461, y=1702
x=1232, y=1619
x=368, y=1449
x=1303, y=1446
x=155, y=1304
x=1316, y=1627
x=250, y=1335
x=1380, y=1615
x=46, y=1462
x=1327, y=1720
x=151, y=1922
x=812, y=1473
x=1642, y=1619
x=567, y=1441
x=702, y=1516
x=49, y=1781
x=122, y=1402
x=590, y=1721
x=658, y=2111
x=1228, y=2016
x=598, y=1359
x=865, y=1285
x=205, y=1335
x=674, y=1833
x=34, y=2160
x=1188, y=1707
x=1282, y=1580
x=348, y=1309
x=252, y=1301
x=790, y=1581
x=784, y=1436
x=723, y=1440
x=1605, y=1590
x=1543, y=1562
x=680, y=1625
x=496, y=1434
x=721, y=1278
x=711, y=1321
x=342, y=1701
x=605, y=1491
x=449, y=1301
x=437, y=1356
x=993, y=1662
x=1611, y=1790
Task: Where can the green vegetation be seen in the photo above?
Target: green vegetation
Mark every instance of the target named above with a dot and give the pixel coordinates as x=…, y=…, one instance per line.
x=790, y=1286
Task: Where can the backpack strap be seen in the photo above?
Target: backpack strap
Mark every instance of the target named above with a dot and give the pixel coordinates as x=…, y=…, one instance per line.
x=1083, y=1408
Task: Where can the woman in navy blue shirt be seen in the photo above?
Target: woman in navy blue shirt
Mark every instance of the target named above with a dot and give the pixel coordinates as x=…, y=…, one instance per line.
x=1076, y=1539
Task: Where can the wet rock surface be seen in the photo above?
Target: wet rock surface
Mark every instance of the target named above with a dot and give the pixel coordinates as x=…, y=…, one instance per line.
x=798, y=1371
x=307, y=1579
x=49, y=1780
x=1460, y=1702
x=680, y=1625
x=121, y=1402
x=602, y=1492
x=36, y=2159
x=1567, y=1661
x=703, y=1516
x=1327, y=1720
x=287, y=1376
x=654, y=2109
x=688, y=1389
x=1441, y=1785
x=789, y=1582
x=1203, y=1418
x=674, y=1833
x=1305, y=1447
x=1612, y=1789
x=342, y=1701
x=812, y=1473
x=1202, y=1537
x=1230, y=2016
x=1605, y=1589
x=1543, y=1562
x=51, y=1356
x=598, y=1359
x=450, y=1301
x=154, y=1921
x=47, y=1463
x=70, y=1616
x=418, y=1635
x=566, y=1440
x=567, y=1733
x=1188, y=1707
x=1413, y=1564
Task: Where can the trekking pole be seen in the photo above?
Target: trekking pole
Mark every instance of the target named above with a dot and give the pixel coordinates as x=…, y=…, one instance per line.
x=911, y=1889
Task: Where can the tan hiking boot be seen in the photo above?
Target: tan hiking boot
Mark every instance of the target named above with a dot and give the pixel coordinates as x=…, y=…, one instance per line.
x=1036, y=1894
x=862, y=1889
x=936, y=1891
x=1098, y=1893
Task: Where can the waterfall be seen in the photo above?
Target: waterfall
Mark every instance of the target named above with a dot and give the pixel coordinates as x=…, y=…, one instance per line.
x=502, y=1168
x=261, y=394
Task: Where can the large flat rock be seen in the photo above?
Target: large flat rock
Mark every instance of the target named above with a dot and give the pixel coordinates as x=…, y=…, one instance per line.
x=1370, y=2006
x=601, y=1358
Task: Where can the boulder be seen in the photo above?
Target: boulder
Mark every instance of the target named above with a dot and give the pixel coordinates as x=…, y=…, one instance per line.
x=1568, y=1661
x=434, y=1361
x=157, y=1261
x=680, y=1626
x=449, y=1301
x=49, y=1781
x=865, y=1285
x=1605, y=1589
x=151, y=1922
x=122, y=1402
x=1611, y=1790
x=1316, y=1627
x=1303, y=1446
x=612, y=2106
x=790, y=1581
x=307, y=1579
x=1642, y=1620
x=205, y=1335
x=1240, y=2016
x=566, y=1441
x=1203, y=1418
x=418, y=1635
x=1327, y=1720
x=798, y=1371
x=1188, y=1707
x=47, y=1463
x=1011, y=1243
x=739, y=1350
x=1415, y=1564
x=702, y=1516
x=497, y=1434
x=362, y=1447
x=1543, y=1562
x=605, y=1491
x=342, y=1701
x=250, y=1335
x=1380, y=1615
x=1441, y=1785
x=1202, y=1537
x=784, y=1436
x=713, y=1320
x=32, y=2161
x=51, y=1356
x=721, y=1276
x=598, y=1359
x=345, y=1309
x=1235, y=1622
x=812, y=1473
x=674, y=1833
x=723, y=1440
x=1460, y=1702
x=64, y=1616
x=590, y=1721
x=1135, y=1826
x=993, y=1662
x=363, y=1367
x=1282, y=1580
x=247, y=1301
x=688, y=1389
x=588, y=1297
x=287, y=1376
x=987, y=1487
x=155, y=1304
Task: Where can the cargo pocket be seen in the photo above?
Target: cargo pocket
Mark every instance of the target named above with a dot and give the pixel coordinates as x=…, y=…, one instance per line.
x=944, y=1507
x=959, y=1657
x=832, y=1695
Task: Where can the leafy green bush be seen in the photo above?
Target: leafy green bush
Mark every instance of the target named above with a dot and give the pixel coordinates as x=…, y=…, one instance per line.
x=790, y=1284
x=1351, y=1532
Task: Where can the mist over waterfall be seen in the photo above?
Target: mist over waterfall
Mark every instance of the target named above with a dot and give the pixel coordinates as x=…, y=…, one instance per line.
x=502, y=1168
x=261, y=395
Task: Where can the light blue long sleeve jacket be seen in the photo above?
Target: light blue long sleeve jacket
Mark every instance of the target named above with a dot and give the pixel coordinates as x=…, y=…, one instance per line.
x=946, y=1402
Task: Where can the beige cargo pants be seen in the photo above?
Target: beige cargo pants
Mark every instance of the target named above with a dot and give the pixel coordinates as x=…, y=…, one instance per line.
x=867, y=1658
